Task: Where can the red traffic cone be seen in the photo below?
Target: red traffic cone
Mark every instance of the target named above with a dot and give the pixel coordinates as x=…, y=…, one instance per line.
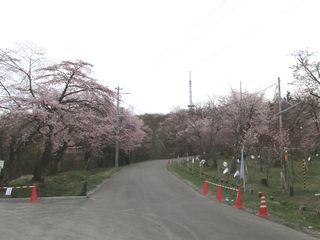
x=219, y=193
x=205, y=188
x=34, y=195
x=238, y=203
x=263, y=212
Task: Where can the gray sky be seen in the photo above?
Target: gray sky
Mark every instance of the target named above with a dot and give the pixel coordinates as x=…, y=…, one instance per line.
x=147, y=47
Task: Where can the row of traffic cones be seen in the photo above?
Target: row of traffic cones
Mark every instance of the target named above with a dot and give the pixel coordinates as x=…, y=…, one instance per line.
x=263, y=212
x=219, y=196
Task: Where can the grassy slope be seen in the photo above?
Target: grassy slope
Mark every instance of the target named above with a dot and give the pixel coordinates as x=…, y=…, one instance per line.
x=65, y=183
x=283, y=208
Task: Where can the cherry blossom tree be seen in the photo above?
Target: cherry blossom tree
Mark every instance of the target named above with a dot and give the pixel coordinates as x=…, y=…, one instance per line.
x=57, y=106
x=76, y=105
x=17, y=74
x=243, y=116
x=306, y=72
x=131, y=131
x=172, y=133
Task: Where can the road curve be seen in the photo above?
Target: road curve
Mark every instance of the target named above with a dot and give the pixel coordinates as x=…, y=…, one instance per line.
x=144, y=202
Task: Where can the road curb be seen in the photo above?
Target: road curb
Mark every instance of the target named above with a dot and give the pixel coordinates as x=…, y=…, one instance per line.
x=23, y=200
x=91, y=192
x=181, y=178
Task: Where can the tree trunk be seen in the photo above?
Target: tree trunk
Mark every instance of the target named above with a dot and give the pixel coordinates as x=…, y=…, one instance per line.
x=55, y=164
x=261, y=162
x=87, y=158
x=236, y=155
x=42, y=165
x=214, y=159
x=233, y=165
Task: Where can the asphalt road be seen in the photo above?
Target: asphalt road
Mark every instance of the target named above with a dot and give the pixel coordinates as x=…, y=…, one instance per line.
x=144, y=202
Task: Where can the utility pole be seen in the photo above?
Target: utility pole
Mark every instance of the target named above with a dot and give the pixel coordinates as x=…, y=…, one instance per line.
x=283, y=175
x=282, y=166
x=241, y=91
x=119, y=114
x=116, y=162
x=242, y=167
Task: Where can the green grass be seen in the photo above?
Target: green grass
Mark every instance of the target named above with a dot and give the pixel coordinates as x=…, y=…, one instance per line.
x=63, y=184
x=283, y=208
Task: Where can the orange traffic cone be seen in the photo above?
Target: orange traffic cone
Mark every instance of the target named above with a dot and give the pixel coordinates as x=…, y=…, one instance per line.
x=238, y=203
x=205, y=188
x=263, y=212
x=219, y=193
x=34, y=195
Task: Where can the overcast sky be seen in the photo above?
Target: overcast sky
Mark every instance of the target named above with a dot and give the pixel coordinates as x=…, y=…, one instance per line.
x=147, y=47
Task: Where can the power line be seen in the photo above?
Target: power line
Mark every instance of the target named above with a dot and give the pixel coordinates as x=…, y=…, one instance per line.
x=215, y=53
x=215, y=9
x=265, y=89
x=209, y=14
x=230, y=10
x=292, y=7
x=250, y=33
x=244, y=37
x=246, y=97
x=135, y=108
x=223, y=16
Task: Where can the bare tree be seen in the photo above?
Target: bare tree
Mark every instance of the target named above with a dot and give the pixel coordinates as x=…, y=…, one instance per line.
x=306, y=71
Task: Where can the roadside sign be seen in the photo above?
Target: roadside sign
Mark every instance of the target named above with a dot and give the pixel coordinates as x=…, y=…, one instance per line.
x=8, y=191
x=1, y=163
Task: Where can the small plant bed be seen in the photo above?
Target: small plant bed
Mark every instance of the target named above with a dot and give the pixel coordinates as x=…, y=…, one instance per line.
x=61, y=184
